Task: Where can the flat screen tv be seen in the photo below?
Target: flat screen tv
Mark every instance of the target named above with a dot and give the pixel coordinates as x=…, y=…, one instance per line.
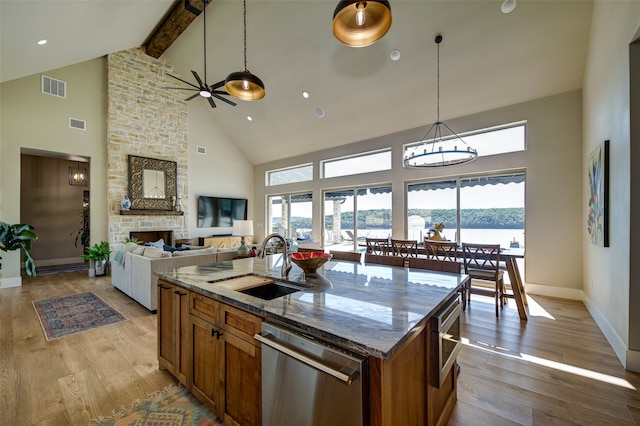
x=216, y=212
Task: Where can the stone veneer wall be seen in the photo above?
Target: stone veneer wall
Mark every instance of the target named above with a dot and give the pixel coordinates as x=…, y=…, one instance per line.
x=148, y=120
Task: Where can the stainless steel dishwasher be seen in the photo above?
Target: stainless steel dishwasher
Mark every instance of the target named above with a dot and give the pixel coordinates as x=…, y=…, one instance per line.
x=306, y=382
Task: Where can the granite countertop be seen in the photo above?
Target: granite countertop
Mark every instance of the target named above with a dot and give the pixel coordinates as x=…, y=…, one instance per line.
x=368, y=308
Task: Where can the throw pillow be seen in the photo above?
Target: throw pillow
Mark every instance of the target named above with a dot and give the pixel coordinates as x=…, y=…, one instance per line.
x=157, y=244
x=139, y=250
x=153, y=253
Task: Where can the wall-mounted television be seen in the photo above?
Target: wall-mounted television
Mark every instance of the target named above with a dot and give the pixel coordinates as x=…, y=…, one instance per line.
x=216, y=212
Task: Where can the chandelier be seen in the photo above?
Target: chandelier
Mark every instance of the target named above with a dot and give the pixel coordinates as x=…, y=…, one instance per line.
x=436, y=150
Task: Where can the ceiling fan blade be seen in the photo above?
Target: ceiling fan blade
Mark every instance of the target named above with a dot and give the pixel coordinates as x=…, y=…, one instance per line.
x=223, y=99
x=195, y=95
x=216, y=85
x=184, y=81
x=213, y=104
x=195, y=74
x=180, y=88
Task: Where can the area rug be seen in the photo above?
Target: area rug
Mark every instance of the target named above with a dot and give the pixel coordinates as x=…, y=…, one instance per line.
x=174, y=406
x=67, y=315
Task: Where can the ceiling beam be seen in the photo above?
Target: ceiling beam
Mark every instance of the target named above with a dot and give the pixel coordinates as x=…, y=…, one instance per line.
x=181, y=15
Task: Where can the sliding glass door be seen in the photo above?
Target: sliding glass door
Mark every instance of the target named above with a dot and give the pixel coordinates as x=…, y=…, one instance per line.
x=352, y=215
x=481, y=209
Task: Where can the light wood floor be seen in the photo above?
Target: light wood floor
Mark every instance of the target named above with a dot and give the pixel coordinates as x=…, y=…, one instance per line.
x=69, y=381
x=555, y=369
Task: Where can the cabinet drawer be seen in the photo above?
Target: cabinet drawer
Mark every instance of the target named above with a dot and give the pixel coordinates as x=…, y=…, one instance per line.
x=239, y=323
x=204, y=307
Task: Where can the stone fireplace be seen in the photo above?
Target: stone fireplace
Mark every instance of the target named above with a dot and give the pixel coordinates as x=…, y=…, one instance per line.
x=144, y=119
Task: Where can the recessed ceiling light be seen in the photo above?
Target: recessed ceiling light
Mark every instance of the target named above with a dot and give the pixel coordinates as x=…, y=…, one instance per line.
x=319, y=112
x=395, y=55
x=249, y=118
x=305, y=94
x=41, y=42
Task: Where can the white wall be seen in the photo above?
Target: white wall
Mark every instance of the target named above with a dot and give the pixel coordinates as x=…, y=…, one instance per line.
x=36, y=121
x=553, y=164
x=223, y=172
x=606, y=117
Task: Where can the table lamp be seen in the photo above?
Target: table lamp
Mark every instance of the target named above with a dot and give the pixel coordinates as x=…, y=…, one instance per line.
x=242, y=228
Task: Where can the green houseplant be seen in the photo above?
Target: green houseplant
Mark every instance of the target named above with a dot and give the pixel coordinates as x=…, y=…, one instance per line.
x=82, y=233
x=16, y=237
x=98, y=254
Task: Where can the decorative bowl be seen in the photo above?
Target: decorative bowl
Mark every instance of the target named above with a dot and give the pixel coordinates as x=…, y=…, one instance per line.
x=310, y=261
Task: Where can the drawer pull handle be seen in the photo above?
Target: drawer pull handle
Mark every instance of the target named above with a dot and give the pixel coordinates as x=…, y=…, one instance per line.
x=179, y=293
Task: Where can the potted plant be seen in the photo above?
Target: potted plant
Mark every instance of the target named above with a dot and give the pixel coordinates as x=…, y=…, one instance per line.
x=16, y=237
x=98, y=254
x=82, y=233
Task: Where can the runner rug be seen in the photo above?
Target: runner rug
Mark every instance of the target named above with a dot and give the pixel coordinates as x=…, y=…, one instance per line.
x=174, y=406
x=67, y=315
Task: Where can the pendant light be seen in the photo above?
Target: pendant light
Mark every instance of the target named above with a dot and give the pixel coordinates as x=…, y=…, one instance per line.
x=361, y=23
x=435, y=150
x=77, y=175
x=242, y=84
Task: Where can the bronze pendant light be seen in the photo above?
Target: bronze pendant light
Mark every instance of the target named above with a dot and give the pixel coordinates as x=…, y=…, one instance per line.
x=242, y=84
x=361, y=23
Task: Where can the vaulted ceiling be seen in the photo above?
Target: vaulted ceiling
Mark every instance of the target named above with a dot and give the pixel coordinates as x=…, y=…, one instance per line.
x=487, y=60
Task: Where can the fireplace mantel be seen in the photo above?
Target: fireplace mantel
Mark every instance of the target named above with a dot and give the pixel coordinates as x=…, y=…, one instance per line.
x=151, y=212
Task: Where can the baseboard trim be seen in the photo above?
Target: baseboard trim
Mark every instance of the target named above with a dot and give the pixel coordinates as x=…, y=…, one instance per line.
x=10, y=282
x=559, y=292
x=633, y=361
x=617, y=343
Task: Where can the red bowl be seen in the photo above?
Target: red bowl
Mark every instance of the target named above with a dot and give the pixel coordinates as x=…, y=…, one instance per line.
x=309, y=262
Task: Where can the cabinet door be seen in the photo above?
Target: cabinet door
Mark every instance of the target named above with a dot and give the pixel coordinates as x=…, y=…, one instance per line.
x=173, y=330
x=205, y=339
x=183, y=342
x=240, y=372
x=166, y=327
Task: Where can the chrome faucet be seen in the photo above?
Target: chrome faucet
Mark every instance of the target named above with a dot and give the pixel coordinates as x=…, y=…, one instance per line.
x=286, y=262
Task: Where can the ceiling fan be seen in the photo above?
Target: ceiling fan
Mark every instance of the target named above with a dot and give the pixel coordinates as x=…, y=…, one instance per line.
x=203, y=89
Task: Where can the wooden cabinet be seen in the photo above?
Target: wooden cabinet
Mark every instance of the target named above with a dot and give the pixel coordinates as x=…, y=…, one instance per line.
x=209, y=347
x=173, y=330
x=241, y=399
x=206, y=359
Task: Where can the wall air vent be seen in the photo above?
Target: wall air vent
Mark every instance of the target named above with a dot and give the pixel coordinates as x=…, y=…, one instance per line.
x=54, y=87
x=74, y=123
x=202, y=150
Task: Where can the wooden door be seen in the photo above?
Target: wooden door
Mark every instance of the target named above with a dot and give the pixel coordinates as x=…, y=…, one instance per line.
x=183, y=339
x=242, y=381
x=205, y=385
x=166, y=327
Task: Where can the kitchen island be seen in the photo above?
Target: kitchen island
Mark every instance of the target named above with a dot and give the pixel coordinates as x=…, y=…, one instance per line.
x=386, y=314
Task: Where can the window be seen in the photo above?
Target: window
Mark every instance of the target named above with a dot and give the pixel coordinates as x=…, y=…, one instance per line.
x=362, y=163
x=495, y=140
x=351, y=215
x=291, y=216
x=294, y=174
x=483, y=209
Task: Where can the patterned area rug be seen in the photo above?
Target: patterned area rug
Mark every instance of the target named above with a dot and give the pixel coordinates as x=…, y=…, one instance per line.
x=66, y=315
x=174, y=406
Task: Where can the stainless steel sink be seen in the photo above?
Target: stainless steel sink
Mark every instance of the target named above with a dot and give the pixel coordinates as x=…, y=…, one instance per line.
x=269, y=291
x=262, y=287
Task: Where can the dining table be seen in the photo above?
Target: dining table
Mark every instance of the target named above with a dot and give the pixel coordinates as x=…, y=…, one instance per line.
x=510, y=258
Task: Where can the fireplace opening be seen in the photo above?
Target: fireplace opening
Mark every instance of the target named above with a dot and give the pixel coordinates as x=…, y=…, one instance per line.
x=152, y=236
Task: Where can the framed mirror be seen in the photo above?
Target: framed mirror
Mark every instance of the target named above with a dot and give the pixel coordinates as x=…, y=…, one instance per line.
x=152, y=183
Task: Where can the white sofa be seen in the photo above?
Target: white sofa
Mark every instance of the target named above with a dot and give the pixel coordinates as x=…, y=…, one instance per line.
x=133, y=270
